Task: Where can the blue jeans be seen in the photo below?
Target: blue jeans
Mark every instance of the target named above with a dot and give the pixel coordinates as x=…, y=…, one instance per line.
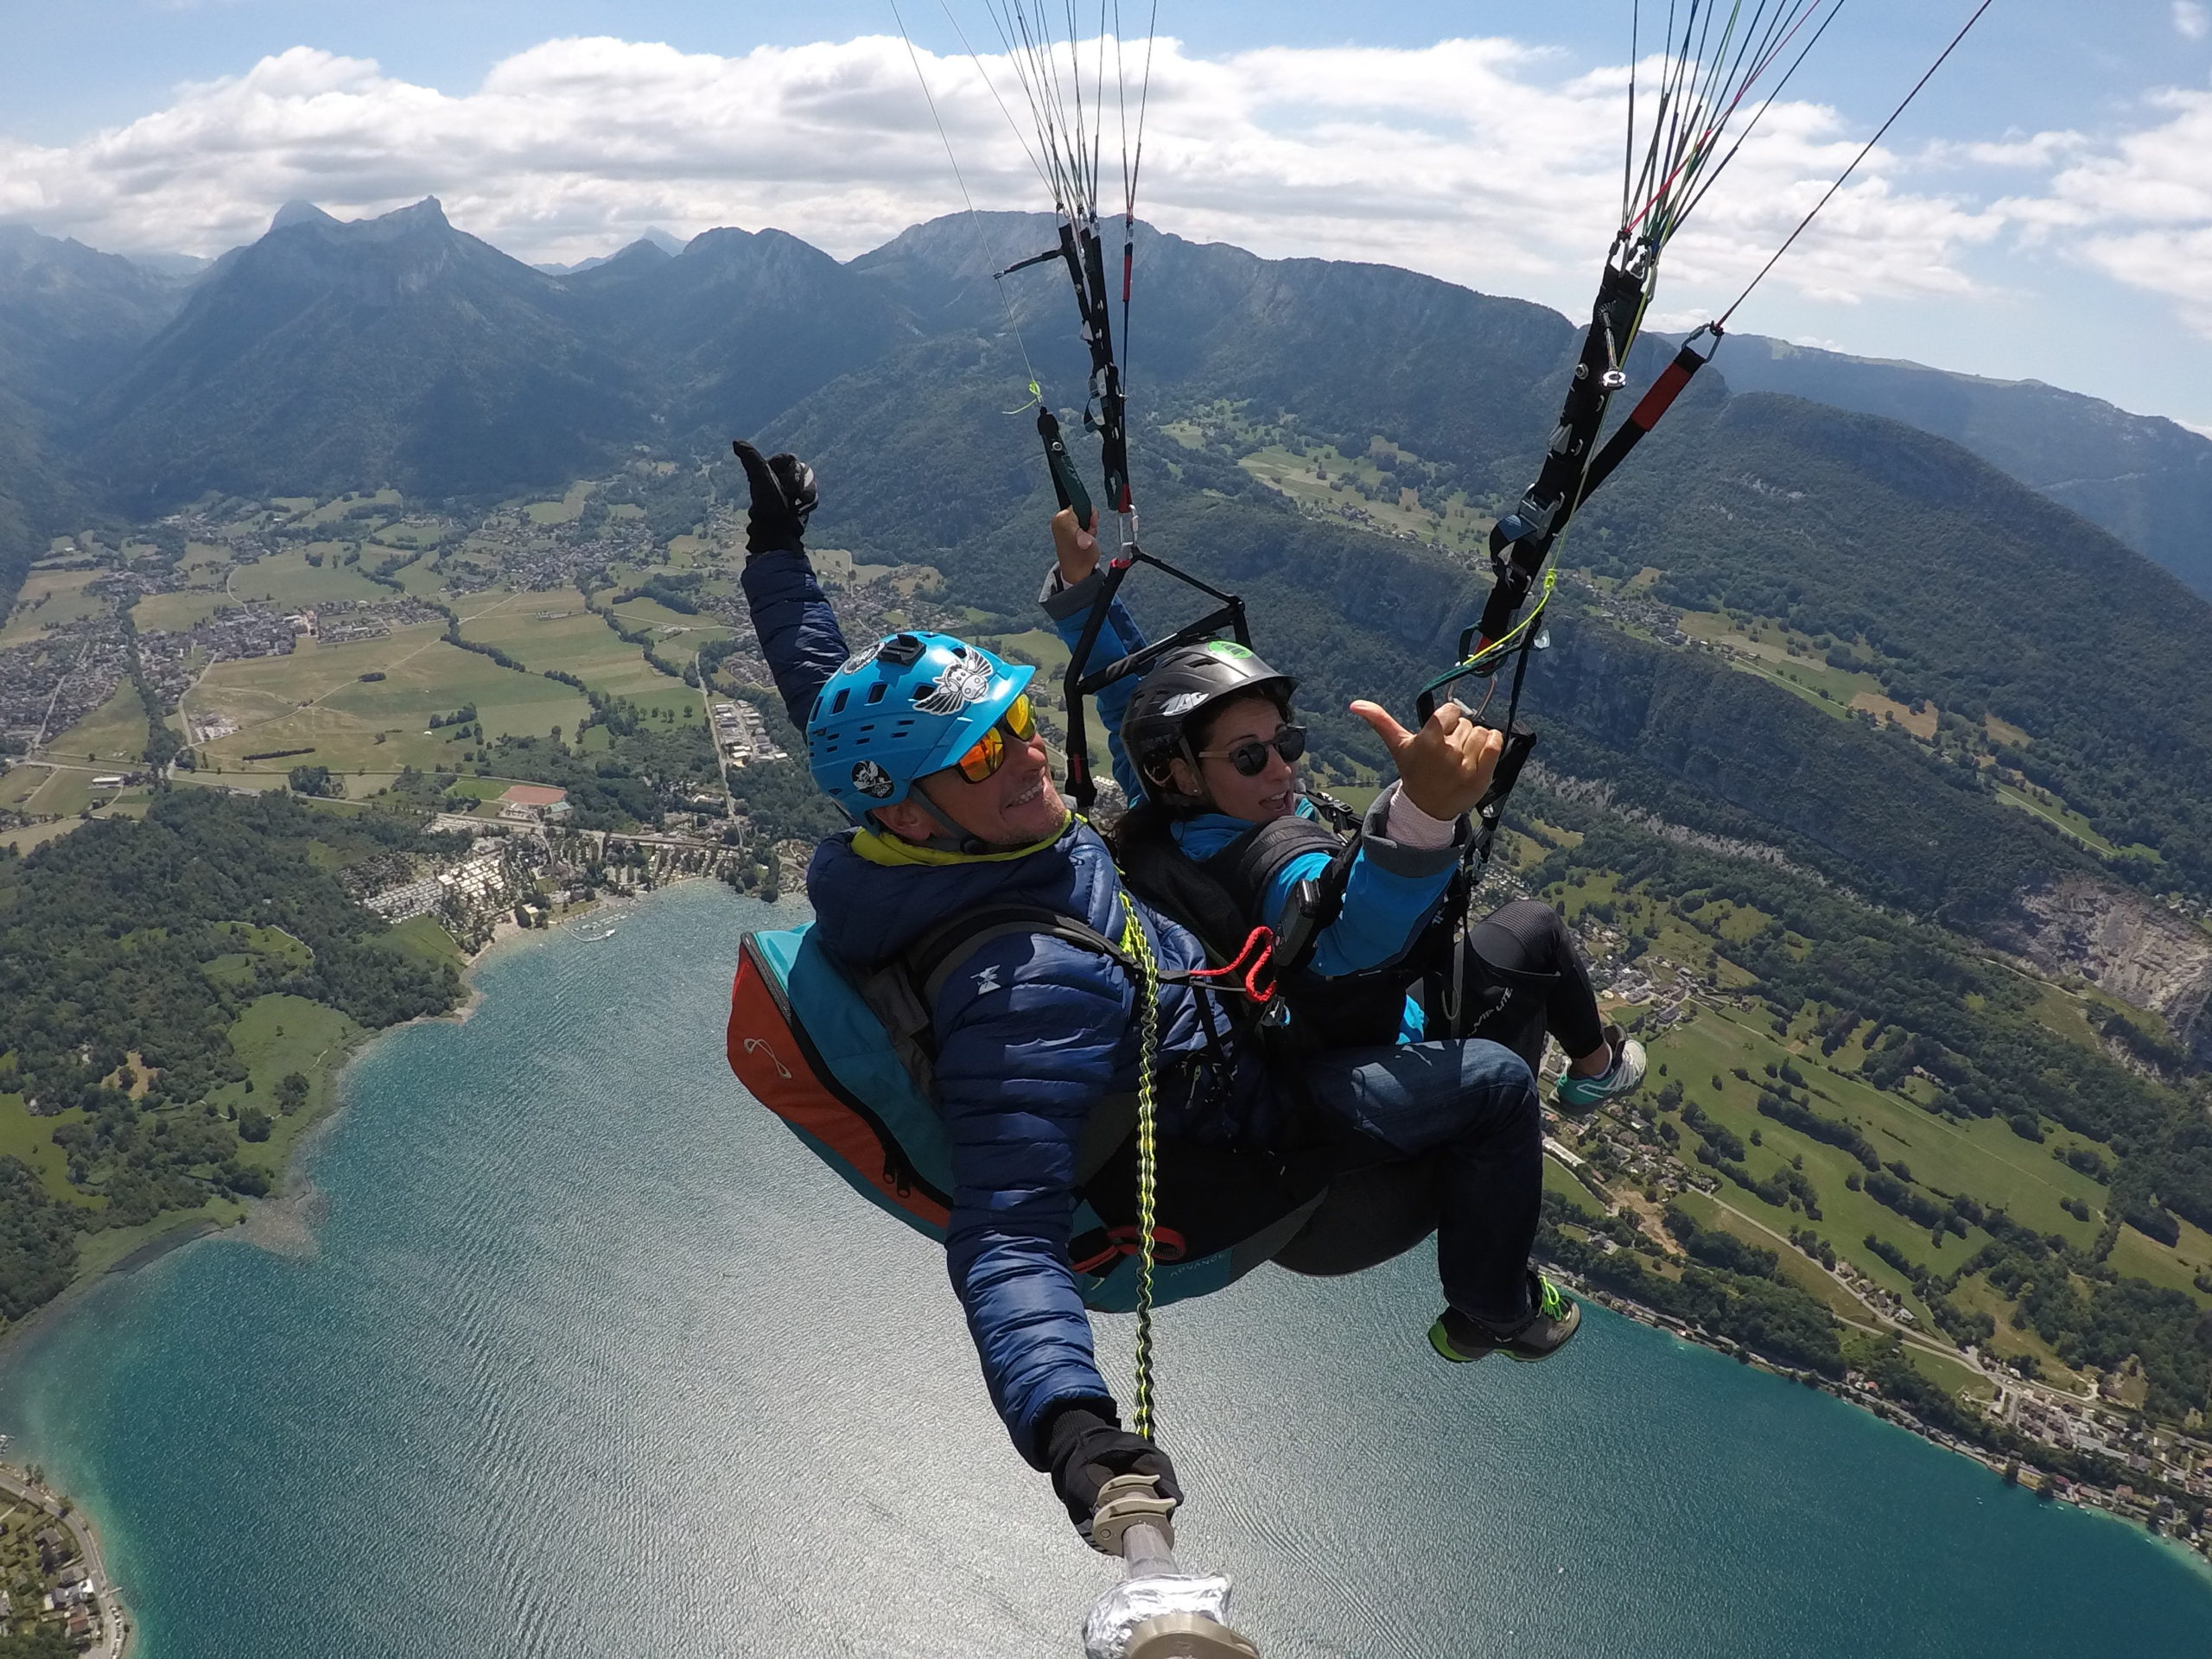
x=1469, y=1107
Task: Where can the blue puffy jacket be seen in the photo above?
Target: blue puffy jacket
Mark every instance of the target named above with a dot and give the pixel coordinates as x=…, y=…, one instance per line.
x=1032, y=1032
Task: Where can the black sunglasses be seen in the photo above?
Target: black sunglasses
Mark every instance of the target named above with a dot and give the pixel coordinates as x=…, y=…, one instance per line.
x=1250, y=757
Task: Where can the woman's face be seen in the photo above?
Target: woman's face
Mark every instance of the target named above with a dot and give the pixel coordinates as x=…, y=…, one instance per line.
x=1270, y=793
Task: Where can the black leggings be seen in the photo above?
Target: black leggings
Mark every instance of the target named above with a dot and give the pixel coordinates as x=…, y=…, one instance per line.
x=1516, y=976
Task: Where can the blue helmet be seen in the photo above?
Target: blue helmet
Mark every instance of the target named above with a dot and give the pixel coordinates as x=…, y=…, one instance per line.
x=907, y=706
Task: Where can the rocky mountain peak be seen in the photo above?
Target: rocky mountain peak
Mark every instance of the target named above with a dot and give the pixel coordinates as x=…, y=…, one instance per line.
x=299, y=212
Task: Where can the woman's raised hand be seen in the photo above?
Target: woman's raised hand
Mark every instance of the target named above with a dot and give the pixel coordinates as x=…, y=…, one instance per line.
x=1446, y=767
x=1074, y=545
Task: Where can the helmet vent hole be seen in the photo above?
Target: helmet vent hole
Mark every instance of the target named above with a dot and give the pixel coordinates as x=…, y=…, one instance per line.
x=875, y=692
x=843, y=697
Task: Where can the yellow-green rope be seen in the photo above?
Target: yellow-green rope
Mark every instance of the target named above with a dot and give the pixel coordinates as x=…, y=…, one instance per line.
x=1140, y=948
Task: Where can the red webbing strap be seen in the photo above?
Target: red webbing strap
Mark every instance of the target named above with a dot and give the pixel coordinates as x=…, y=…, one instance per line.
x=1645, y=416
x=1250, y=971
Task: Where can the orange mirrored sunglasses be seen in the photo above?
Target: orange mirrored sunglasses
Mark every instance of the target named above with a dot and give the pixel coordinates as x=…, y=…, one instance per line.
x=989, y=752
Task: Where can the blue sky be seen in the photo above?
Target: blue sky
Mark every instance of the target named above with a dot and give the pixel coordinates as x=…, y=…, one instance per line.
x=2042, y=212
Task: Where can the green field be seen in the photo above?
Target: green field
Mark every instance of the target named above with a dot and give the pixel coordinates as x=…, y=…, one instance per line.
x=2176, y=1267
x=1957, y=1377
x=1766, y=652
x=115, y=731
x=286, y=580
x=553, y=630
x=419, y=579
x=275, y=1036
x=177, y=612
x=1718, y=1210
x=423, y=937
x=315, y=699
x=331, y=512
x=1319, y=477
x=1982, y=1157
x=1559, y=1179
x=31, y=1138
x=2041, y=804
x=21, y=782
x=406, y=535
x=674, y=632
x=23, y=840
x=254, y=943
x=567, y=509
x=50, y=597
x=205, y=560
x=1041, y=648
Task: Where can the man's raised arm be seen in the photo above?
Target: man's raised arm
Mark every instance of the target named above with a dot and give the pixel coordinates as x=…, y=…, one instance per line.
x=791, y=616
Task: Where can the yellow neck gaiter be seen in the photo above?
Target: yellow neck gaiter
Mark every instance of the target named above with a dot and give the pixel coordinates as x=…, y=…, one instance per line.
x=878, y=847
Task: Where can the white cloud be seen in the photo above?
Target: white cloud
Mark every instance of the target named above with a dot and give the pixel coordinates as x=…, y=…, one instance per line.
x=2139, y=208
x=2038, y=151
x=2191, y=21
x=1476, y=160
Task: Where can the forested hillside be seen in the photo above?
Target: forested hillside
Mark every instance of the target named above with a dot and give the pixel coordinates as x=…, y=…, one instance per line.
x=144, y=966
x=2147, y=480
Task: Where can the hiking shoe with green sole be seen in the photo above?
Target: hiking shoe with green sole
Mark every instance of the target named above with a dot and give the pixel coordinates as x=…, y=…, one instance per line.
x=1624, y=1075
x=1543, y=1333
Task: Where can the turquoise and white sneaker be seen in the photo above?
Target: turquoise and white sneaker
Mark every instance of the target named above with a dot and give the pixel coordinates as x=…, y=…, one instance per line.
x=1624, y=1076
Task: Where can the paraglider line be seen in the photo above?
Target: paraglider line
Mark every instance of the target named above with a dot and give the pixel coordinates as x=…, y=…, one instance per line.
x=1855, y=159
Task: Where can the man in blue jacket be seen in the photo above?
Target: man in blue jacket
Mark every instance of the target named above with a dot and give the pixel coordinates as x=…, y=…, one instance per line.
x=928, y=744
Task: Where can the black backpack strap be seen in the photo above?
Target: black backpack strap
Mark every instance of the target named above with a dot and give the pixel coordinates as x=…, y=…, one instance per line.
x=1155, y=867
x=1248, y=865
x=932, y=959
x=1339, y=816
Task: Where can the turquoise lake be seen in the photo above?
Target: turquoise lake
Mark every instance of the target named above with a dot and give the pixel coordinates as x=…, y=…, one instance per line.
x=581, y=1355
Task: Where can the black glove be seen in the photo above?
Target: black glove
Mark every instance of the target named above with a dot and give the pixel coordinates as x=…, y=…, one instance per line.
x=1085, y=1450
x=784, y=499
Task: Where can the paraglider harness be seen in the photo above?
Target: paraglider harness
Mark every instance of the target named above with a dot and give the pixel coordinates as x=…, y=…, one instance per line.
x=1220, y=897
x=1217, y=897
x=845, y=1057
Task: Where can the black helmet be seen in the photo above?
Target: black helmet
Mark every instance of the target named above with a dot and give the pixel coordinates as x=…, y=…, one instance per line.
x=1178, y=689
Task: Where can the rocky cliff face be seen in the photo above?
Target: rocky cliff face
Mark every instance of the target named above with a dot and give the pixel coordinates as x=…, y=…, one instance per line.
x=2123, y=943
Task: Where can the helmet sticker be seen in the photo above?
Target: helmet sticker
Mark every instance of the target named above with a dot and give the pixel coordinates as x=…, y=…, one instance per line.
x=1228, y=648
x=854, y=664
x=871, y=779
x=1181, y=703
x=966, y=679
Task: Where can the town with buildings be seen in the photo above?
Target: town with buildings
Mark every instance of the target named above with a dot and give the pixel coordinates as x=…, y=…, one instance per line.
x=743, y=735
x=52, y=1574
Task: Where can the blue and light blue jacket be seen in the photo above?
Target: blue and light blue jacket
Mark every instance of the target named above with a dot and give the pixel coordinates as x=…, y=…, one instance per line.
x=1031, y=1032
x=1392, y=891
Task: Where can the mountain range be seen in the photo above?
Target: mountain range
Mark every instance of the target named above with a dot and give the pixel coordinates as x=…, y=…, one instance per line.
x=2016, y=560
x=401, y=350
